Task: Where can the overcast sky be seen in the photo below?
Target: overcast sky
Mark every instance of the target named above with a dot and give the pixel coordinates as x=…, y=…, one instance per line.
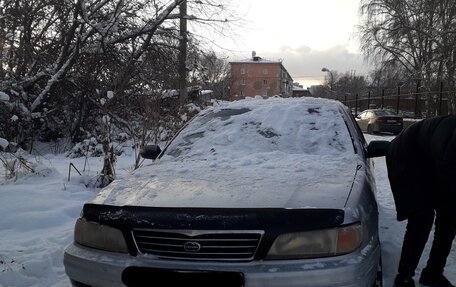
x=306, y=34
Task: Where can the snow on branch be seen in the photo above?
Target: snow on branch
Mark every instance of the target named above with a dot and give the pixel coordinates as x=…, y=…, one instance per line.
x=150, y=27
x=3, y=143
x=4, y=97
x=37, y=102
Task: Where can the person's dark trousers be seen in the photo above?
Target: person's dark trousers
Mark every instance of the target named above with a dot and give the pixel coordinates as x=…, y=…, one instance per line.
x=445, y=231
x=416, y=236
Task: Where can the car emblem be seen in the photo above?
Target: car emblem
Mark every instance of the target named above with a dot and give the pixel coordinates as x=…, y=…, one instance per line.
x=192, y=246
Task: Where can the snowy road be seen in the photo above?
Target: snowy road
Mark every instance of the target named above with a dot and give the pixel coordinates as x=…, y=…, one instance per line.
x=37, y=216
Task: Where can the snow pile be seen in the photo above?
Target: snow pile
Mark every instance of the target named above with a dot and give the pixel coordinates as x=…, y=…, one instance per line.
x=304, y=126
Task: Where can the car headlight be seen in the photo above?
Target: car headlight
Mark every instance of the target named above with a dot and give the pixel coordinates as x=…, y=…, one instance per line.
x=99, y=236
x=316, y=243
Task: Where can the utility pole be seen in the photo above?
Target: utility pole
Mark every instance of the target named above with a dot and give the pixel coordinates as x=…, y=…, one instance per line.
x=183, y=53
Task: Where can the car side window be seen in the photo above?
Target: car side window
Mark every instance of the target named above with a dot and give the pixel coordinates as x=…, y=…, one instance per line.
x=359, y=133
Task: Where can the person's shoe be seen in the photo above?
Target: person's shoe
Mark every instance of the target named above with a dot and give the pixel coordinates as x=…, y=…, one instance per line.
x=429, y=280
x=403, y=281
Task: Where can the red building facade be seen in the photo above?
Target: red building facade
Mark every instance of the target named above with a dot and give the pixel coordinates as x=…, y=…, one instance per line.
x=259, y=77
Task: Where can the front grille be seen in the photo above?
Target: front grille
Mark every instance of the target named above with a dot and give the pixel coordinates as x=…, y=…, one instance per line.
x=198, y=245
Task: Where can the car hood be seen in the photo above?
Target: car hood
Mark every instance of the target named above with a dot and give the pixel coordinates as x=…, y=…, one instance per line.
x=294, y=183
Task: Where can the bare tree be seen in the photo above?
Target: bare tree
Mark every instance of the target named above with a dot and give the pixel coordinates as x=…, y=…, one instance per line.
x=58, y=59
x=43, y=41
x=330, y=83
x=419, y=35
x=216, y=75
x=349, y=84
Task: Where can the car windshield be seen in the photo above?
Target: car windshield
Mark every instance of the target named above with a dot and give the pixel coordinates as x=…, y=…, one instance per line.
x=384, y=113
x=261, y=126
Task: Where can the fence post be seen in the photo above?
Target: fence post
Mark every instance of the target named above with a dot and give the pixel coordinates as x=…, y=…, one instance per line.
x=440, y=98
x=356, y=105
x=417, y=98
x=398, y=99
x=383, y=98
x=368, y=99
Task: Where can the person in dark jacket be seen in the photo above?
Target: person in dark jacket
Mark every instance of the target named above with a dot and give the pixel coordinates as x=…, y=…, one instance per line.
x=421, y=164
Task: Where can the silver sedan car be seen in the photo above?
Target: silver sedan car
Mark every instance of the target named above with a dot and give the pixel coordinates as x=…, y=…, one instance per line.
x=258, y=192
x=379, y=121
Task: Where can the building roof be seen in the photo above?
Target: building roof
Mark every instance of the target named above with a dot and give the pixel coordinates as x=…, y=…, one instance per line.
x=256, y=60
x=297, y=88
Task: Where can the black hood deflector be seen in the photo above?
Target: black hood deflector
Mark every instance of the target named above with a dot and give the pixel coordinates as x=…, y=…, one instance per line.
x=291, y=220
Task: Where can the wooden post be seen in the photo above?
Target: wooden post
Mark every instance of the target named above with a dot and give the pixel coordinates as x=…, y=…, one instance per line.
x=383, y=99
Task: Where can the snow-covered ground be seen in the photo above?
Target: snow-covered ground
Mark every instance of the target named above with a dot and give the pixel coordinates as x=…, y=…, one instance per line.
x=37, y=216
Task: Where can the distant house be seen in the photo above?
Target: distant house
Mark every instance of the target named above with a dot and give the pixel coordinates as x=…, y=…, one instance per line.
x=259, y=77
x=299, y=91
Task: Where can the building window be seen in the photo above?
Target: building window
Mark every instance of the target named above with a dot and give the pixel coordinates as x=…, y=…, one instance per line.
x=242, y=71
x=265, y=71
x=242, y=82
x=265, y=82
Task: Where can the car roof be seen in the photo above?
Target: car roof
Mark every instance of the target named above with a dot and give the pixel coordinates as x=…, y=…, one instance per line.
x=378, y=110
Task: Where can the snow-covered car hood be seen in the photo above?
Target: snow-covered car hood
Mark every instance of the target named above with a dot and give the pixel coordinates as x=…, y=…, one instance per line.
x=293, y=182
x=283, y=153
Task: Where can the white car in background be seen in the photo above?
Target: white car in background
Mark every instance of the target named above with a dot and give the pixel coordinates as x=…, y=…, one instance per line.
x=275, y=192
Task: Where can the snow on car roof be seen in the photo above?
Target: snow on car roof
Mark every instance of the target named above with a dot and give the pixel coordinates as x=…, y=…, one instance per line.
x=294, y=126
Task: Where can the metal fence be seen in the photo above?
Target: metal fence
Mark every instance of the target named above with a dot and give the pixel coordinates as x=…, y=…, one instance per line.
x=409, y=105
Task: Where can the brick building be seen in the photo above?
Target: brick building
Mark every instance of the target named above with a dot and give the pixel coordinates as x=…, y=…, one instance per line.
x=259, y=77
x=299, y=91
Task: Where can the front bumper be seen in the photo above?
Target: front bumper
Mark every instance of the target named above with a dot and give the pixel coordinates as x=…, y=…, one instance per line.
x=359, y=269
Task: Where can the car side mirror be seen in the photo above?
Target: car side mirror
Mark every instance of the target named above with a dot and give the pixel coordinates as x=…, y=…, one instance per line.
x=377, y=148
x=150, y=151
